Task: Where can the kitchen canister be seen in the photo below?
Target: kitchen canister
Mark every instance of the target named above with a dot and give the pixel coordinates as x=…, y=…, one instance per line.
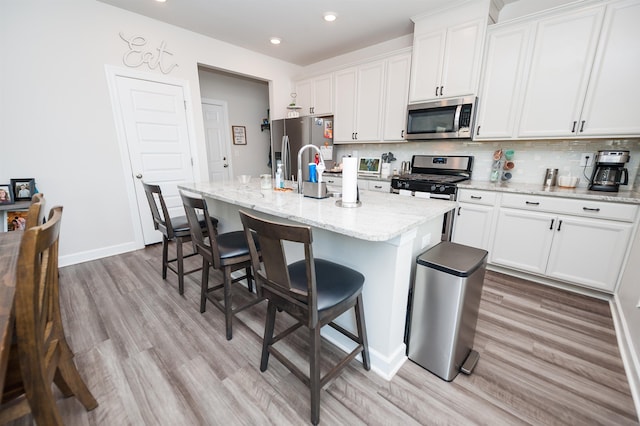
x=550, y=178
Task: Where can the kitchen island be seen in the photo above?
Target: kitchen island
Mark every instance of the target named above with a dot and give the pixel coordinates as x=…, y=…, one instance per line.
x=381, y=239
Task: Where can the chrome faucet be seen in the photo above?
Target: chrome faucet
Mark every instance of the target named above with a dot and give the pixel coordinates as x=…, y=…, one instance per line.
x=300, y=165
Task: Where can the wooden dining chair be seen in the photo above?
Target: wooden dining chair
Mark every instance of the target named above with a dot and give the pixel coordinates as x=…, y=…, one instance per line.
x=41, y=355
x=173, y=229
x=226, y=252
x=35, y=214
x=313, y=291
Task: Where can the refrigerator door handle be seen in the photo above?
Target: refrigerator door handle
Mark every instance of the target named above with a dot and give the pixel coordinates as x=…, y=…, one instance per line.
x=286, y=161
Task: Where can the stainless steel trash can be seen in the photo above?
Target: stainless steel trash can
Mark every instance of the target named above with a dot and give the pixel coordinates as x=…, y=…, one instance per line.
x=444, y=308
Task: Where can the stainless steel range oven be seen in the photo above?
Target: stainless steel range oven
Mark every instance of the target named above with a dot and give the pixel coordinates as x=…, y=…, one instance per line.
x=435, y=176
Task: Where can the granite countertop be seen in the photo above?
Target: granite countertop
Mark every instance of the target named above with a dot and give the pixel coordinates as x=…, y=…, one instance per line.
x=381, y=217
x=629, y=197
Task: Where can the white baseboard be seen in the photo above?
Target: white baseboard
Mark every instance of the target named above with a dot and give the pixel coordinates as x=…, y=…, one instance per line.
x=627, y=351
x=86, y=256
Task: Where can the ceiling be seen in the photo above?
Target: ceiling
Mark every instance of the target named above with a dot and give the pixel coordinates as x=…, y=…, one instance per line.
x=306, y=37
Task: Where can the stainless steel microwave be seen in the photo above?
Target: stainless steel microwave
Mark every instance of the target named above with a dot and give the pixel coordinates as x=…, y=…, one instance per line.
x=442, y=119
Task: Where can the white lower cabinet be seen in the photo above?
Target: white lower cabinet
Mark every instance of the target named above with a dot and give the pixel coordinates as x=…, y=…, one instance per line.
x=472, y=223
x=586, y=251
x=376, y=185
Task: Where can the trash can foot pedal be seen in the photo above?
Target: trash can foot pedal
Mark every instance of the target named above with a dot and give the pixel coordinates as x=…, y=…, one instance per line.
x=470, y=362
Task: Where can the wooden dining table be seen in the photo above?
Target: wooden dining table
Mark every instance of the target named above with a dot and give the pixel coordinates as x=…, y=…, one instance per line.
x=9, y=249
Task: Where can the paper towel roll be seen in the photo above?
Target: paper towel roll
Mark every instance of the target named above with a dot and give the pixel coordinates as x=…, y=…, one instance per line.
x=349, y=179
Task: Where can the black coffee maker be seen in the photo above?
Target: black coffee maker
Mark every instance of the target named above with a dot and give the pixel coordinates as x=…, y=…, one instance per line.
x=609, y=172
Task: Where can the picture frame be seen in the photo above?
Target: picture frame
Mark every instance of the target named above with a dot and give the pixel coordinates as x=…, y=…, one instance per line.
x=369, y=165
x=23, y=189
x=239, y=135
x=6, y=194
x=16, y=220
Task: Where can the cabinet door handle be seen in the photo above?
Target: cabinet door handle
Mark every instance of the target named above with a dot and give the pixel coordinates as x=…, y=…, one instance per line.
x=559, y=224
x=459, y=208
x=436, y=90
x=531, y=203
x=551, y=226
x=478, y=131
x=573, y=129
x=475, y=197
x=377, y=186
x=588, y=209
x=441, y=87
x=582, y=126
x=353, y=135
x=402, y=134
x=356, y=135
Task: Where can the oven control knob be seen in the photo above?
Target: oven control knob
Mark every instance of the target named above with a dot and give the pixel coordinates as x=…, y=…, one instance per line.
x=441, y=189
x=433, y=187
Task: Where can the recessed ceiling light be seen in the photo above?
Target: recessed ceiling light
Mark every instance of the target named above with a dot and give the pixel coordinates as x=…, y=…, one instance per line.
x=161, y=1
x=275, y=40
x=329, y=16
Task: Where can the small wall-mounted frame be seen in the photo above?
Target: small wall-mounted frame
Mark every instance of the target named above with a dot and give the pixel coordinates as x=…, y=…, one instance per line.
x=239, y=135
x=23, y=189
x=6, y=194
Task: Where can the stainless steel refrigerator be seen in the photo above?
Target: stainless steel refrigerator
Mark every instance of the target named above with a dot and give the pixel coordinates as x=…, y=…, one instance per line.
x=290, y=134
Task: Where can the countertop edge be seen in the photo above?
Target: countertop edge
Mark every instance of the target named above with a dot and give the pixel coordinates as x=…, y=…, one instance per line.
x=626, y=197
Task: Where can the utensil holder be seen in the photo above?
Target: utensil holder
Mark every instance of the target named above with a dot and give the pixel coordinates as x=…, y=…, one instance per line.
x=315, y=189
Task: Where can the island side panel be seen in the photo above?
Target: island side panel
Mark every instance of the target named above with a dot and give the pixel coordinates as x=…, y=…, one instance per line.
x=388, y=267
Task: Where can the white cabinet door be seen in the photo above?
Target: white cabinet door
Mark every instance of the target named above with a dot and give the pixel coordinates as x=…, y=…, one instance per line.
x=304, y=96
x=523, y=240
x=323, y=95
x=472, y=225
x=446, y=62
x=345, y=105
x=315, y=95
x=615, y=74
x=426, y=66
x=563, y=53
x=369, y=102
x=501, y=87
x=588, y=251
x=462, y=57
x=397, y=97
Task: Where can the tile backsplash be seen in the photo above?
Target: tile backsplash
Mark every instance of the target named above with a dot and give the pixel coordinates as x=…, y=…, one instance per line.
x=531, y=158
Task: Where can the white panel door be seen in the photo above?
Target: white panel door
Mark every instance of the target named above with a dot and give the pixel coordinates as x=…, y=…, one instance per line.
x=396, y=99
x=589, y=251
x=369, y=105
x=345, y=107
x=218, y=139
x=501, y=88
x=461, y=63
x=426, y=66
x=562, y=57
x=523, y=240
x=155, y=125
x=614, y=78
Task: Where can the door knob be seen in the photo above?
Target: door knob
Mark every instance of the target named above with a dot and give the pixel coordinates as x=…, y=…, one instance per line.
x=139, y=176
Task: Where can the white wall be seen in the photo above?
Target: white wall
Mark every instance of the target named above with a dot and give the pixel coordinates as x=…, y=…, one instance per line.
x=56, y=113
x=627, y=304
x=248, y=102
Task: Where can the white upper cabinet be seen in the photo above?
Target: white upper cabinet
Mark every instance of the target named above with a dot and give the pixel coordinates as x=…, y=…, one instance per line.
x=396, y=97
x=562, y=75
x=447, y=52
x=563, y=53
x=315, y=95
x=359, y=103
x=500, y=93
x=615, y=74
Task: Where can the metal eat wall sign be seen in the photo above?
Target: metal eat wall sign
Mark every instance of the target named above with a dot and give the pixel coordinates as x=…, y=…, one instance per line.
x=138, y=55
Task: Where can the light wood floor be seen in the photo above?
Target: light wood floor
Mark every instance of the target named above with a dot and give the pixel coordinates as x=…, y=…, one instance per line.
x=547, y=357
